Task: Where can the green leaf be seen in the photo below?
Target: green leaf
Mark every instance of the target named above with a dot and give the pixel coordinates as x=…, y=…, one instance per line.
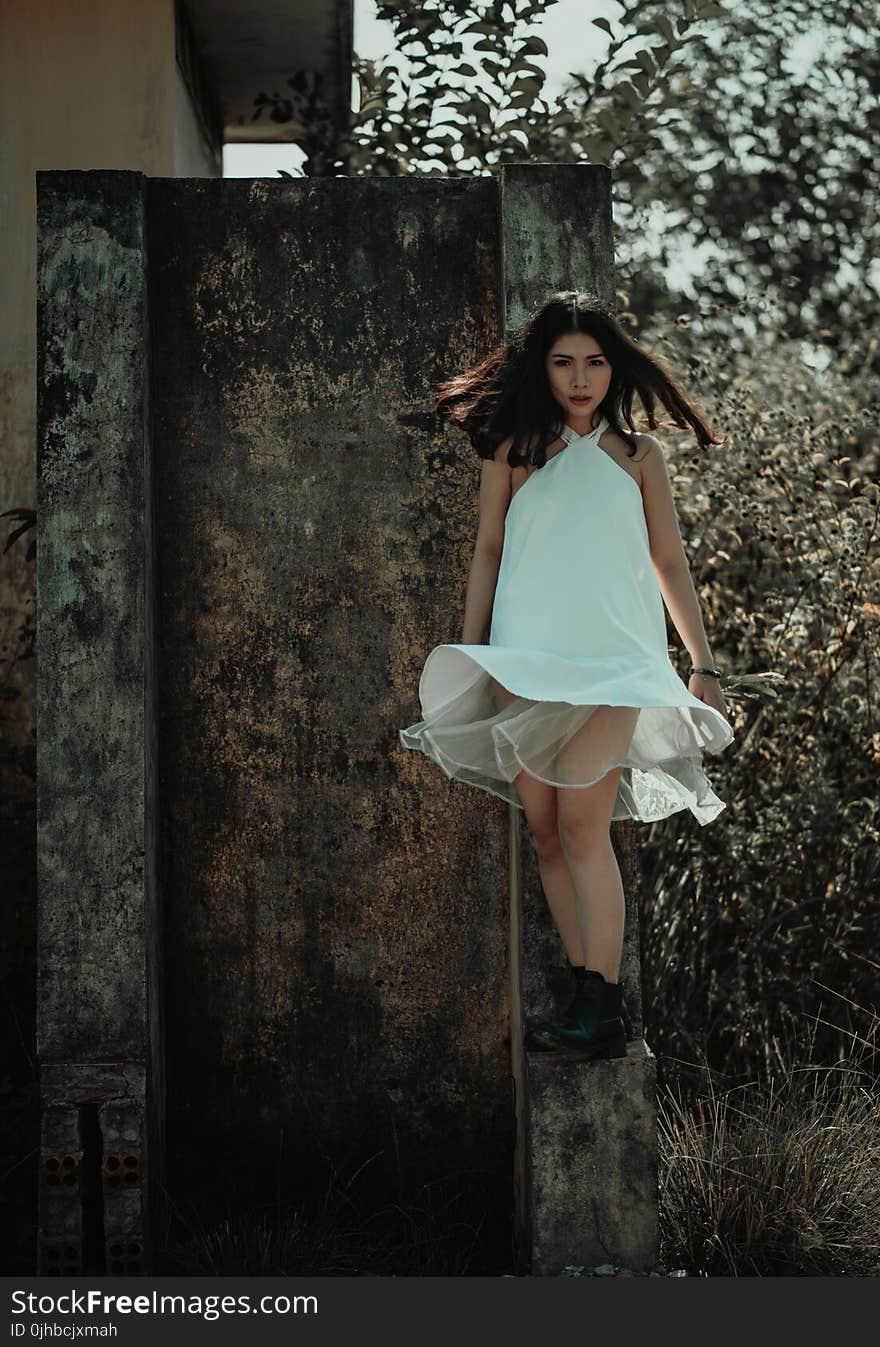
x=603, y=24
x=596, y=147
x=609, y=123
x=666, y=29
x=527, y=84
x=630, y=93
x=474, y=106
x=535, y=44
x=520, y=64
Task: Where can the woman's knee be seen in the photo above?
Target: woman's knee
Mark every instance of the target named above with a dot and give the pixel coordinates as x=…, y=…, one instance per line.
x=584, y=814
x=582, y=833
x=539, y=806
x=546, y=841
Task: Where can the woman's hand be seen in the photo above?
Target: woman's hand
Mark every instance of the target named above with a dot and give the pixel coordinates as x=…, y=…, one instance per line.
x=706, y=688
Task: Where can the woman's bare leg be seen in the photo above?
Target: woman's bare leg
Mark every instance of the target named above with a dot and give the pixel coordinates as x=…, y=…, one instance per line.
x=584, y=819
x=539, y=806
x=584, y=815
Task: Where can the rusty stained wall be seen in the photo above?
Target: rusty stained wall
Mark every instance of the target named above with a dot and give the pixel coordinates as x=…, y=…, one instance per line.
x=336, y=909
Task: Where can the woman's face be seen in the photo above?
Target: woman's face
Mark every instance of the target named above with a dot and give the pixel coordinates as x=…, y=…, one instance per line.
x=579, y=375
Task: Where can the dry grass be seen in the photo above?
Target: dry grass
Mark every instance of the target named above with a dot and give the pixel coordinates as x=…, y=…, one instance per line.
x=776, y=1178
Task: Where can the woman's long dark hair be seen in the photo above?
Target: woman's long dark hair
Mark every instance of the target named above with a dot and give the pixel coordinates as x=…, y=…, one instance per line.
x=508, y=392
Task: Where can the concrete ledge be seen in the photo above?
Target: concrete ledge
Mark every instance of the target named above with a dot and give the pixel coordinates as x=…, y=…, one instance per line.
x=592, y=1154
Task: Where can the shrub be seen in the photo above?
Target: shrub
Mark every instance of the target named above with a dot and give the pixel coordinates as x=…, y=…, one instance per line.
x=748, y=922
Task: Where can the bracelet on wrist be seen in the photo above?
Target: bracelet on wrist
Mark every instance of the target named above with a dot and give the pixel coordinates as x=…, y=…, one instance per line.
x=705, y=669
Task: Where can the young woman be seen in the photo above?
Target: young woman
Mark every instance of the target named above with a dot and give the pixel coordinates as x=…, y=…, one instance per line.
x=573, y=711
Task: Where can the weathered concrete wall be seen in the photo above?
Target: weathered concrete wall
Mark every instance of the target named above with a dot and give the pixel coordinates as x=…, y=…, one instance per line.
x=256, y=529
x=336, y=909
x=557, y=226
x=92, y=438
x=99, y=927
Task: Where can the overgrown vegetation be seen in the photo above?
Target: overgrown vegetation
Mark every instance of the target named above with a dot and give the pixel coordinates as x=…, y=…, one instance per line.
x=746, y=923
x=778, y=1176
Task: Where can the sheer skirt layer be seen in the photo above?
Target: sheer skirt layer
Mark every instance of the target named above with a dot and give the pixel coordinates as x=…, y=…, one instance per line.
x=484, y=735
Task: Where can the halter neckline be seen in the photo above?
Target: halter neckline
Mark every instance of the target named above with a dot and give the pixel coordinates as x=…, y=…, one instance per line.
x=570, y=435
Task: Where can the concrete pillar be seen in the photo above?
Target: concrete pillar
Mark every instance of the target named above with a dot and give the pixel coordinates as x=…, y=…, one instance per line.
x=98, y=1025
x=586, y=1149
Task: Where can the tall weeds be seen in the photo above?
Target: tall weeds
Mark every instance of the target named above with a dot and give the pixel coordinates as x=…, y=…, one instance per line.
x=779, y=1177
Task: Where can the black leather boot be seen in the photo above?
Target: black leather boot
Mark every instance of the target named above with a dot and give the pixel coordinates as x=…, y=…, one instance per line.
x=624, y=1015
x=541, y=1037
x=593, y=1024
x=544, y=1036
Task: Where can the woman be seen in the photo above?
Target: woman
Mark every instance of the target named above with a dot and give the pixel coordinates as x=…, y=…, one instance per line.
x=573, y=711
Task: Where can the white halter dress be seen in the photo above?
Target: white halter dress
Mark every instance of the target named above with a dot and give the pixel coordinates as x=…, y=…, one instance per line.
x=578, y=641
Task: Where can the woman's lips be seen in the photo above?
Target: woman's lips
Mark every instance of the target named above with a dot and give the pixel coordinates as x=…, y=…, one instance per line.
x=581, y=399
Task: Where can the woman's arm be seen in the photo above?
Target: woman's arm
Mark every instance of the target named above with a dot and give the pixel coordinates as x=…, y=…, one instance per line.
x=483, y=576
x=482, y=579
x=677, y=587
x=674, y=574
x=668, y=555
